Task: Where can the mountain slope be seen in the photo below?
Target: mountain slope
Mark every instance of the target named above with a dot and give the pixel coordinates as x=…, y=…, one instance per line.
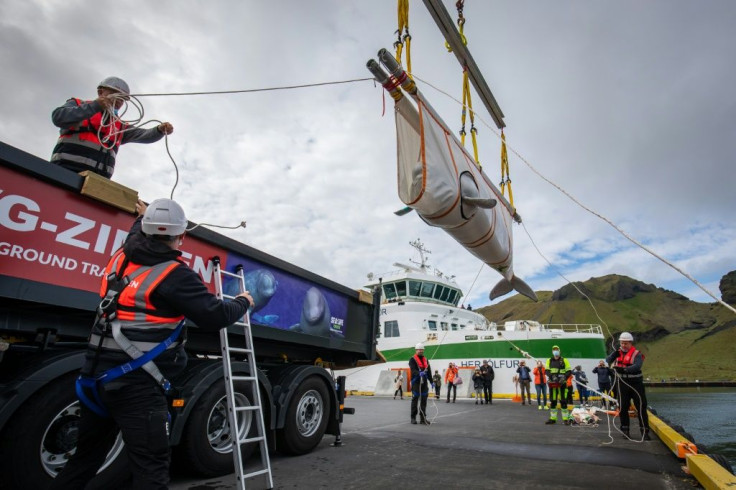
x=680, y=338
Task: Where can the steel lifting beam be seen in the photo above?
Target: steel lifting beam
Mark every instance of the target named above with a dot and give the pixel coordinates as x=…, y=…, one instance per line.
x=452, y=36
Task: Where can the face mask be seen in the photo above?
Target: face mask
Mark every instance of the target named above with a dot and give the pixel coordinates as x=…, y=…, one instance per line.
x=555, y=353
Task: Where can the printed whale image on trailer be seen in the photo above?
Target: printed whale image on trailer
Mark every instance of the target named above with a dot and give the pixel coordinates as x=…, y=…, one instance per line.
x=439, y=180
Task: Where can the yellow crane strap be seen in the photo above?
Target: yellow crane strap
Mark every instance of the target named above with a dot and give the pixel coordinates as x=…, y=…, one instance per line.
x=403, y=23
x=505, y=177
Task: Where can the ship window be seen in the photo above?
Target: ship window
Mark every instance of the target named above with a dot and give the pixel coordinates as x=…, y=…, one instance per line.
x=453, y=297
x=391, y=328
x=390, y=291
x=462, y=327
x=414, y=288
x=438, y=291
x=445, y=294
x=401, y=288
x=443, y=325
x=454, y=326
x=427, y=288
x=432, y=325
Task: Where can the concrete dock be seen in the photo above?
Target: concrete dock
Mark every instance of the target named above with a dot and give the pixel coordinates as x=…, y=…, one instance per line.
x=503, y=445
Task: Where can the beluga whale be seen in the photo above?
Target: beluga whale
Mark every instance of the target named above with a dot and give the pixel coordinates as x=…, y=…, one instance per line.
x=439, y=180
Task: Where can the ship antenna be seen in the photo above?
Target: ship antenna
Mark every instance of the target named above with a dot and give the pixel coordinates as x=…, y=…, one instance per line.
x=417, y=244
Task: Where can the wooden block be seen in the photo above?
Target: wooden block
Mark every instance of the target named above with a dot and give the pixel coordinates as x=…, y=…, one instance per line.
x=365, y=296
x=105, y=190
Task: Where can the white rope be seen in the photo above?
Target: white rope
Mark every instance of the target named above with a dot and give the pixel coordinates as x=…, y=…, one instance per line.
x=611, y=223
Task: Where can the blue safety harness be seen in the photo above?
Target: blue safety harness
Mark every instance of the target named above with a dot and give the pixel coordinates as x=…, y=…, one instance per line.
x=93, y=383
x=107, y=312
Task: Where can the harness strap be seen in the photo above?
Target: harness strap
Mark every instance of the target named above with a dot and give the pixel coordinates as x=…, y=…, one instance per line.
x=139, y=360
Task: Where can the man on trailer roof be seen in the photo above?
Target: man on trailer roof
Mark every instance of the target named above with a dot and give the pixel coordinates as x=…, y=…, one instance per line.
x=91, y=131
x=147, y=292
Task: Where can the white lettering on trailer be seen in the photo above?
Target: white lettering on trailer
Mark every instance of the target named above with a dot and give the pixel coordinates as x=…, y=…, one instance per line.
x=48, y=227
x=102, y=237
x=83, y=225
x=32, y=255
x=26, y=222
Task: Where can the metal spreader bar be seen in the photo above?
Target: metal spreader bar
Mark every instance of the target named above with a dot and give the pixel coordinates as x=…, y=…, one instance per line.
x=250, y=414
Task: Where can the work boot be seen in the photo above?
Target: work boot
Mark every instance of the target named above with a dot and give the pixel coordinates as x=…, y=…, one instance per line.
x=625, y=432
x=566, y=422
x=550, y=421
x=424, y=421
x=476, y=402
x=645, y=435
x=414, y=421
x=539, y=407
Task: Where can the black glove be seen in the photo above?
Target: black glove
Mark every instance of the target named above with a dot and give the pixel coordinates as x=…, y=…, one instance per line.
x=619, y=369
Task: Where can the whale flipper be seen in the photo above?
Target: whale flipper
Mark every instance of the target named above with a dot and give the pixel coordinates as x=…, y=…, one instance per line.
x=505, y=286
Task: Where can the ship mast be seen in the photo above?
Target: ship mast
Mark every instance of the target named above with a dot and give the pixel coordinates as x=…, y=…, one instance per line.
x=419, y=246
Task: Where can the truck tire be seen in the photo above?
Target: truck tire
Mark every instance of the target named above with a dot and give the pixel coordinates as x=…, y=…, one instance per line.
x=47, y=423
x=306, y=418
x=205, y=448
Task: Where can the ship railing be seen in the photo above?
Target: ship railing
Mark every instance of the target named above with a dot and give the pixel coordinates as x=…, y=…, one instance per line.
x=574, y=328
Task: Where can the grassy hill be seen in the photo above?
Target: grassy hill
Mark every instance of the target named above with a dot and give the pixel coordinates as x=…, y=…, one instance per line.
x=680, y=338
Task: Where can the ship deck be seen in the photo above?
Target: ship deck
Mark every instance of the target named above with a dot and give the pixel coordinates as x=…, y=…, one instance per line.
x=503, y=445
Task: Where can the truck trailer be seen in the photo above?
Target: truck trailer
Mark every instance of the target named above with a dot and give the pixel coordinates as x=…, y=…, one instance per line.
x=58, y=229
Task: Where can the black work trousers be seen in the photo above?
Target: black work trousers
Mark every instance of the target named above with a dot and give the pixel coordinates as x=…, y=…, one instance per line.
x=451, y=388
x=632, y=389
x=488, y=391
x=139, y=411
x=419, y=404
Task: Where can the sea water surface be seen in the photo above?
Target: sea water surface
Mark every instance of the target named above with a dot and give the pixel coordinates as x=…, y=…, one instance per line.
x=708, y=414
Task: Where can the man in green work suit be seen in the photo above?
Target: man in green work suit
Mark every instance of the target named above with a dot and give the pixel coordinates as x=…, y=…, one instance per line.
x=558, y=370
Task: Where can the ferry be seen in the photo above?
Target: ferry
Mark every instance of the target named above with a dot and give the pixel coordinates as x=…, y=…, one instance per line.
x=420, y=304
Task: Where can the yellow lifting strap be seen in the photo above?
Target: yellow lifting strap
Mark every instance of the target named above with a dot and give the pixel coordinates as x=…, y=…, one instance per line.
x=467, y=99
x=405, y=39
x=505, y=177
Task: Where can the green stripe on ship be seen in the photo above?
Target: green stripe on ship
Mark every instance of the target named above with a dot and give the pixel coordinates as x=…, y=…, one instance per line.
x=592, y=348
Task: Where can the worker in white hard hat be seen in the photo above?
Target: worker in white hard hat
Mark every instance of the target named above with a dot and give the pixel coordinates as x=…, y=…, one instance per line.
x=421, y=378
x=91, y=133
x=147, y=292
x=629, y=383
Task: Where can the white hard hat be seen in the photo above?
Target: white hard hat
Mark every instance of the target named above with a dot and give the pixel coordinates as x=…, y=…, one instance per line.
x=626, y=336
x=164, y=217
x=115, y=83
x=419, y=346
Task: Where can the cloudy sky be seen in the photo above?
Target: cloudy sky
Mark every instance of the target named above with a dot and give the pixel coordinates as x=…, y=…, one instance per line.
x=629, y=106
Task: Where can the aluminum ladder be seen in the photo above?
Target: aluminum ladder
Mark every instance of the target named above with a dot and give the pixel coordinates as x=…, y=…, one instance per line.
x=252, y=380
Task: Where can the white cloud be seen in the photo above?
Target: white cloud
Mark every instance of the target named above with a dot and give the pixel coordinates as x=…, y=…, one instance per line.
x=627, y=106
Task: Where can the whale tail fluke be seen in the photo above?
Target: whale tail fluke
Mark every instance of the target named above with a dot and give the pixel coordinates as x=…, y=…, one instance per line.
x=505, y=286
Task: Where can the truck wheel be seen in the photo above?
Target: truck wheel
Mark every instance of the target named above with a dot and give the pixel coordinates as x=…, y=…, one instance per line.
x=48, y=423
x=306, y=418
x=206, y=445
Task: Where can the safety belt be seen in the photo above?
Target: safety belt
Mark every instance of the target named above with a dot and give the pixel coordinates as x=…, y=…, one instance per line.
x=139, y=360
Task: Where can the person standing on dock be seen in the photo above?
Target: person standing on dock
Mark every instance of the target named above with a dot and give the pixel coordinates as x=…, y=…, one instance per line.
x=450, y=376
x=627, y=363
x=558, y=372
x=525, y=381
x=437, y=380
x=540, y=385
x=488, y=374
x=420, y=378
x=399, y=385
x=604, y=380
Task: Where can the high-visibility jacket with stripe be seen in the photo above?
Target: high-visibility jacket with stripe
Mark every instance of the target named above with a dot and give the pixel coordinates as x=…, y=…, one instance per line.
x=557, y=370
x=80, y=144
x=143, y=323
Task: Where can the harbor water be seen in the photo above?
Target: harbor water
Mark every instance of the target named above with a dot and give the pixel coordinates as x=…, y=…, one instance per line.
x=705, y=413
